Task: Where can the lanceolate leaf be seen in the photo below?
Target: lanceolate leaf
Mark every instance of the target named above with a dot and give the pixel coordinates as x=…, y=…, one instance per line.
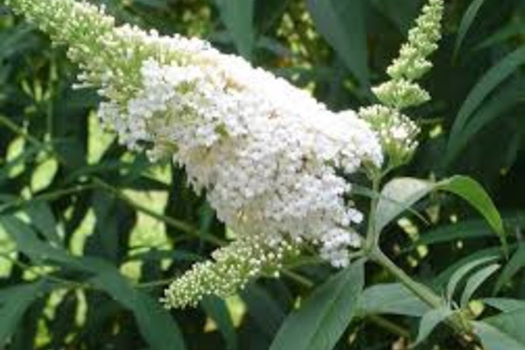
x=265, y=310
x=476, y=281
x=445, y=275
x=492, y=79
x=217, y=310
x=28, y=243
x=430, y=320
x=397, y=196
x=42, y=217
x=494, y=339
x=321, y=321
x=400, y=194
x=14, y=302
x=237, y=15
x=401, y=13
x=342, y=23
x=466, y=22
x=462, y=271
x=472, y=192
x=467, y=229
x=496, y=107
x=156, y=325
x=510, y=323
x=515, y=264
x=505, y=304
x=392, y=298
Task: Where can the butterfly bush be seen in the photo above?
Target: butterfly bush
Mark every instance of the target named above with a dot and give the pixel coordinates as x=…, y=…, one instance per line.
x=273, y=162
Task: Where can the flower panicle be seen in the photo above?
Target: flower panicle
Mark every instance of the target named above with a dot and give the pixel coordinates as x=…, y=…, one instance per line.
x=272, y=160
x=397, y=132
x=413, y=62
x=110, y=56
x=402, y=91
x=232, y=268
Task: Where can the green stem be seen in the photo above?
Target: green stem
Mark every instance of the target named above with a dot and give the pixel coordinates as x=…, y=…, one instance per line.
x=389, y=326
x=180, y=225
x=421, y=291
x=44, y=275
x=460, y=325
x=49, y=196
x=372, y=238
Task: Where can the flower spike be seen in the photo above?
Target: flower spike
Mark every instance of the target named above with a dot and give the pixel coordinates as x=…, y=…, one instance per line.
x=272, y=160
x=397, y=132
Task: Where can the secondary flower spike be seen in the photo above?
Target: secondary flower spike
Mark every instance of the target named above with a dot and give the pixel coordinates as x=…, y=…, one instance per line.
x=398, y=134
x=270, y=158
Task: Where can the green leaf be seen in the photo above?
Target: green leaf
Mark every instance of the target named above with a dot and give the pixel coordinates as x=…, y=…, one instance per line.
x=392, y=298
x=265, y=311
x=430, y=320
x=42, y=218
x=505, y=304
x=173, y=255
x=510, y=323
x=397, y=196
x=400, y=194
x=322, y=320
x=217, y=310
x=476, y=281
x=14, y=302
x=401, y=13
x=268, y=13
x=462, y=230
x=462, y=271
x=17, y=39
x=466, y=22
x=472, y=192
x=237, y=15
x=503, y=34
x=28, y=243
x=515, y=264
x=445, y=275
x=156, y=325
x=493, y=339
x=501, y=102
x=486, y=85
x=342, y=24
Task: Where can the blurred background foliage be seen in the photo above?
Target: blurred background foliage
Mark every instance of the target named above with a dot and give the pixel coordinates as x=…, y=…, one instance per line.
x=91, y=234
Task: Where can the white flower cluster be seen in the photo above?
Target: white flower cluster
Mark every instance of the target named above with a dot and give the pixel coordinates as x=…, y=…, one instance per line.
x=395, y=130
x=271, y=159
x=231, y=269
x=401, y=94
x=266, y=153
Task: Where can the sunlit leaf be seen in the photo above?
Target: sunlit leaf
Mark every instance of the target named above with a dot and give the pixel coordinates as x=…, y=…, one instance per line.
x=218, y=311
x=14, y=302
x=156, y=325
